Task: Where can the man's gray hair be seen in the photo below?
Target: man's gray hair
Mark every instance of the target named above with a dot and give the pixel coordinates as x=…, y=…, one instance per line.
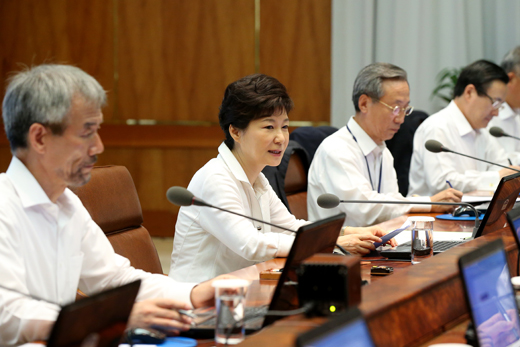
x=370, y=80
x=44, y=94
x=511, y=61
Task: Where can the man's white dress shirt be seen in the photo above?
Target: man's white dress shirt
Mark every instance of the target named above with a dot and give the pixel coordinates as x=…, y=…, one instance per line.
x=50, y=250
x=509, y=120
x=209, y=242
x=341, y=166
x=430, y=171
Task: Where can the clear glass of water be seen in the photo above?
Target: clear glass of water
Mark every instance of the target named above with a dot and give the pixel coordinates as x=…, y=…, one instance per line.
x=230, y=297
x=422, y=238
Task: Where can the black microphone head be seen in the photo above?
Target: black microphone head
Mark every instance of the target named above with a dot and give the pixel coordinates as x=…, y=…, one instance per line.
x=328, y=201
x=497, y=132
x=434, y=146
x=180, y=196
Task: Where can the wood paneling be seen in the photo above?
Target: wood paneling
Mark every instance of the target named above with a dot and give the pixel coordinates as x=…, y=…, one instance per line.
x=295, y=46
x=176, y=57
x=170, y=60
x=78, y=32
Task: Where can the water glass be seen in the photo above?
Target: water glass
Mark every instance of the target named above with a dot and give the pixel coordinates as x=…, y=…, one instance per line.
x=422, y=238
x=230, y=300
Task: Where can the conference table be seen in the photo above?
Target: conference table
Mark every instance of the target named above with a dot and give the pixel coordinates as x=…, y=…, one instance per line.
x=416, y=305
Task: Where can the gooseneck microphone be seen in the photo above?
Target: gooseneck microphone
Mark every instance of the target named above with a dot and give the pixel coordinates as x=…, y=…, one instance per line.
x=436, y=147
x=498, y=132
x=331, y=201
x=183, y=197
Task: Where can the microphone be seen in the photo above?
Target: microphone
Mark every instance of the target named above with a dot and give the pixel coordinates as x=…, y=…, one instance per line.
x=436, y=147
x=183, y=197
x=331, y=201
x=498, y=132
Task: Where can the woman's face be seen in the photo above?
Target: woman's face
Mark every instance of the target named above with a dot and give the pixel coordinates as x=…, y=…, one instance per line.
x=263, y=142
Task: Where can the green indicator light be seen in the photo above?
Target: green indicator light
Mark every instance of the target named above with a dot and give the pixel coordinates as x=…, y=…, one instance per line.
x=332, y=309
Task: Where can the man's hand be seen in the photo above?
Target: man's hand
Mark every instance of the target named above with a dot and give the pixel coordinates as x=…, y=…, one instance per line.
x=448, y=195
x=506, y=172
x=203, y=294
x=160, y=314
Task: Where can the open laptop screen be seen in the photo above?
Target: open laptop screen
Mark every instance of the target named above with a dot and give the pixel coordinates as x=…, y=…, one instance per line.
x=490, y=295
x=349, y=327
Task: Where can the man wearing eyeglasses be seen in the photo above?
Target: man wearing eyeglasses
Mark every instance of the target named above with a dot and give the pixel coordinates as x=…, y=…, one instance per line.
x=509, y=114
x=478, y=94
x=354, y=163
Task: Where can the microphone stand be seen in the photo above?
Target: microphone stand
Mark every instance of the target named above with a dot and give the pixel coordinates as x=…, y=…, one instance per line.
x=199, y=202
x=444, y=149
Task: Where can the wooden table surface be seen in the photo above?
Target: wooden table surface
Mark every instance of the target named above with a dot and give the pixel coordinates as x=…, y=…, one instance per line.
x=416, y=305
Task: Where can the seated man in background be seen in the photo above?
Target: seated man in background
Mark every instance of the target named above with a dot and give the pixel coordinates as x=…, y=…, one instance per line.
x=355, y=164
x=478, y=94
x=49, y=244
x=509, y=114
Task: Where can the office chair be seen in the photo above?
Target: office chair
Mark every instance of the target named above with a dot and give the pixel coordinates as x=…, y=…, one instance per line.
x=111, y=199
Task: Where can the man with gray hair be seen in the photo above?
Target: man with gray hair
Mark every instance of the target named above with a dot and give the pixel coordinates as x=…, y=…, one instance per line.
x=49, y=244
x=354, y=163
x=509, y=114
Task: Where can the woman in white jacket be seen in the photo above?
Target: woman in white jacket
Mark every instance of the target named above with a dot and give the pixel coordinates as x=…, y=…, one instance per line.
x=209, y=242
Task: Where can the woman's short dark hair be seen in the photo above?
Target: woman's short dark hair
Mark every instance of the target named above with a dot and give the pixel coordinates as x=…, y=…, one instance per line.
x=249, y=98
x=480, y=74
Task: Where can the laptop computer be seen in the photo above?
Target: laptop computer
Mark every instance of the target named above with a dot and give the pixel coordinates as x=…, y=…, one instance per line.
x=348, y=326
x=495, y=219
x=317, y=237
x=490, y=295
x=513, y=218
x=99, y=320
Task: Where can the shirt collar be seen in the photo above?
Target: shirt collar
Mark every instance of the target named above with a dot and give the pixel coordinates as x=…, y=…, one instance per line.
x=506, y=111
x=236, y=169
x=28, y=188
x=459, y=119
x=364, y=141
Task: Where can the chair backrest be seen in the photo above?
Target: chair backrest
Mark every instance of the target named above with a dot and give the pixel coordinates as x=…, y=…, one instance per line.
x=311, y=137
x=111, y=199
x=296, y=185
x=401, y=147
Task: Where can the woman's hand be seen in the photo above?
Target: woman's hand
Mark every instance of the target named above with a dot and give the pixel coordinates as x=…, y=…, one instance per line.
x=373, y=230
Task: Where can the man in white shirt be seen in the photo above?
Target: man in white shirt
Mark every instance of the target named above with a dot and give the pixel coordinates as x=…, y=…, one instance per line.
x=49, y=244
x=509, y=114
x=355, y=164
x=478, y=94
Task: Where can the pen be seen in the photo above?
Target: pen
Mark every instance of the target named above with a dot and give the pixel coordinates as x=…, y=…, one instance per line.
x=509, y=160
x=187, y=313
x=449, y=183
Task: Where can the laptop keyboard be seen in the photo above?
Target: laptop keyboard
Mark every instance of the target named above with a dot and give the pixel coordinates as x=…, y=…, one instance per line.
x=439, y=246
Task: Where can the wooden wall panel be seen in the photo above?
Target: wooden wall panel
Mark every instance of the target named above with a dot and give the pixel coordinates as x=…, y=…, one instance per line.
x=177, y=56
x=78, y=32
x=295, y=47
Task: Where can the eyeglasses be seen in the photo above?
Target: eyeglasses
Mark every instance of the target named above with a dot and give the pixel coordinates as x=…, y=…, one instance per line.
x=494, y=103
x=396, y=111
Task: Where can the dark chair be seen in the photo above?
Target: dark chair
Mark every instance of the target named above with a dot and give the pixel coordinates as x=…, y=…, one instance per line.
x=401, y=147
x=311, y=137
x=111, y=199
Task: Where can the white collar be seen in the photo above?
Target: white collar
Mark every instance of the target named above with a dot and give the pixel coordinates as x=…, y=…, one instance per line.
x=506, y=111
x=459, y=120
x=236, y=169
x=29, y=189
x=364, y=141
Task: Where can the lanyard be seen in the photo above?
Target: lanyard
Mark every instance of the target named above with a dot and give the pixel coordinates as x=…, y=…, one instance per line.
x=368, y=166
